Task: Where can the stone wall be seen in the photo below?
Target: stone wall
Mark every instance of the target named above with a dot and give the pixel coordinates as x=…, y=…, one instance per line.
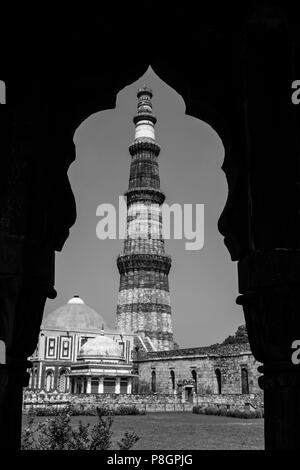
x=230, y=360
x=147, y=402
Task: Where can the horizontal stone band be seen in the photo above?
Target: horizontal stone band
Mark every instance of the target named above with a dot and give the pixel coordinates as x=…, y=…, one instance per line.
x=127, y=263
x=145, y=194
x=144, y=295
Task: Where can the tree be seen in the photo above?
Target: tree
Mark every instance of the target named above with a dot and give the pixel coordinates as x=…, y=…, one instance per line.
x=240, y=336
x=57, y=433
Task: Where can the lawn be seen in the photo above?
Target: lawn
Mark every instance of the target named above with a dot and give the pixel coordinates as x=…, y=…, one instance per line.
x=185, y=430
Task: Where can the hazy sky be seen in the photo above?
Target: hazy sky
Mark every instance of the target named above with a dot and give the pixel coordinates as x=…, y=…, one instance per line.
x=203, y=284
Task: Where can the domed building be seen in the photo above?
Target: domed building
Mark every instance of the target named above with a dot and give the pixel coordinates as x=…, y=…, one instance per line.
x=101, y=368
x=75, y=333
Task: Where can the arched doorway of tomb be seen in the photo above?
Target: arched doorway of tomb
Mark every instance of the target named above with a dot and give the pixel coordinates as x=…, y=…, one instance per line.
x=172, y=380
x=245, y=381
x=194, y=376
x=219, y=381
x=153, y=381
x=49, y=380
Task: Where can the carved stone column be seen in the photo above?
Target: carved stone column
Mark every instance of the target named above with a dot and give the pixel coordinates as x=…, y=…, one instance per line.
x=36, y=210
x=269, y=282
x=24, y=286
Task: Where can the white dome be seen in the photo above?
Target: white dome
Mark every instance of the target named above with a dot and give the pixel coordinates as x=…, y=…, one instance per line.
x=76, y=300
x=74, y=316
x=101, y=346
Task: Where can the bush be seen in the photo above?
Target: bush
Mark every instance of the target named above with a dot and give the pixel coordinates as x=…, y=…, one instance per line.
x=237, y=413
x=56, y=433
x=246, y=414
x=259, y=412
x=199, y=410
x=128, y=410
x=209, y=410
x=232, y=413
x=87, y=410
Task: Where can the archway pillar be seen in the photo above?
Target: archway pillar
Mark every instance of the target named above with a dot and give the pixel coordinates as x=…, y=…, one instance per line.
x=129, y=385
x=89, y=385
x=118, y=385
x=269, y=282
x=101, y=385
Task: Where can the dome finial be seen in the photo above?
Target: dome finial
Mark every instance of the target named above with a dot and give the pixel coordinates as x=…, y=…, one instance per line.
x=76, y=300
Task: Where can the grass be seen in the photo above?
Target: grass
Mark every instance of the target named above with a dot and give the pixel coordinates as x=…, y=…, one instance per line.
x=185, y=430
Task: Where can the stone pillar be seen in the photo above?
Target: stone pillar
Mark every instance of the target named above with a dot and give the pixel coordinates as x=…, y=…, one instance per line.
x=118, y=384
x=270, y=287
x=89, y=385
x=101, y=385
x=260, y=221
x=13, y=377
x=129, y=385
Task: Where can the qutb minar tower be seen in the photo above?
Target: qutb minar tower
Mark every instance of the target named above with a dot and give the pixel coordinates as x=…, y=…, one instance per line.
x=144, y=300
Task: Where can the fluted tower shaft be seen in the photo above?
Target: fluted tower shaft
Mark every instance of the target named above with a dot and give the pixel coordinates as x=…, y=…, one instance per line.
x=144, y=300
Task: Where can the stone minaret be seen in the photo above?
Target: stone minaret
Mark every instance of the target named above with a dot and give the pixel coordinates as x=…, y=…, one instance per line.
x=144, y=300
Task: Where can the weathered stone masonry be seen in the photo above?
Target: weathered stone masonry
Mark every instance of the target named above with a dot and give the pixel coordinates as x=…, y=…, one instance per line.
x=234, y=364
x=144, y=305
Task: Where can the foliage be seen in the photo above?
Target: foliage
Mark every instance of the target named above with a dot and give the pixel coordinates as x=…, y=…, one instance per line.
x=87, y=410
x=128, y=410
x=57, y=433
x=128, y=440
x=240, y=336
x=232, y=413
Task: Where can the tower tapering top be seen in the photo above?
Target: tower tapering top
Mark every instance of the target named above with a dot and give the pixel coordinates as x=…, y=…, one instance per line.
x=144, y=120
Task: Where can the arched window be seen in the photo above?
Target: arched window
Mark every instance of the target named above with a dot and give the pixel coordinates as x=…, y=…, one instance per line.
x=245, y=383
x=172, y=377
x=219, y=380
x=153, y=381
x=62, y=381
x=194, y=375
x=49, y=380
x=72, y=385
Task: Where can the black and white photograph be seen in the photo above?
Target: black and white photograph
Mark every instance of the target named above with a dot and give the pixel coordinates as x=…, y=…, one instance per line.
x=150, y=231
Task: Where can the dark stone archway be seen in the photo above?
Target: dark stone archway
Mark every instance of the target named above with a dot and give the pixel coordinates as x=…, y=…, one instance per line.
x=234, y=67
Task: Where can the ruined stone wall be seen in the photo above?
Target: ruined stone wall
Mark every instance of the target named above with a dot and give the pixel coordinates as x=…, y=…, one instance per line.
x=229, y=360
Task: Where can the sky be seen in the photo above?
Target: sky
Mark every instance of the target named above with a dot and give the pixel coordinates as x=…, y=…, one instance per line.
x=203, y=283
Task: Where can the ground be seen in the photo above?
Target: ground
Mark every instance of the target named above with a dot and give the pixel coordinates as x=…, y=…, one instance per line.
x=185, y=430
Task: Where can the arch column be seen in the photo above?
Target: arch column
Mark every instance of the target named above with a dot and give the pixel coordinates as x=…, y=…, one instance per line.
x=270, y=286
x=118, y=385
x=101, y=385
x=129, y=385
x=89, y=385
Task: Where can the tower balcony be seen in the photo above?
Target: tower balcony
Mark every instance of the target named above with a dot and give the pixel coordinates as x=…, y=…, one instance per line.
x=144, y=144
x=148, y=262
x=145, y=194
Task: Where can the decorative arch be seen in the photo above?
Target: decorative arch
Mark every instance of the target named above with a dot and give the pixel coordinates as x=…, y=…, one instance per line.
x=63, y=380
x=194, y=376
x=49, y=380
x=153, y=381
x=219, y=380
x=172, y=378
x=245, y=381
